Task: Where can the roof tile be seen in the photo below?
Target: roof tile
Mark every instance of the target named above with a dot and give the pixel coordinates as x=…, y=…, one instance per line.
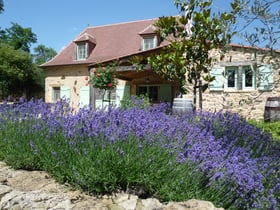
x=112, y=41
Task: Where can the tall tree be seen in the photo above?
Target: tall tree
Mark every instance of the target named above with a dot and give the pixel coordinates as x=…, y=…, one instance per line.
x=20, y=73
x=1, y=6
x=260, y=23
x=19, y=37
x=192, y=34
x=16, y=69
x=43, y=54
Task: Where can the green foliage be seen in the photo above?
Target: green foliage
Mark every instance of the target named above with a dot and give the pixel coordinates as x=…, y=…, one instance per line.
x=1, y=6
x=271, y=127
x=19, y=37
x=191, y=37
x=43, y=54
x=141, y=101
x=14, y=63
x=19, y=75
x=100, y=166
x=104, y=77
x=210, y=156
x=260, y=23
x=16, y=69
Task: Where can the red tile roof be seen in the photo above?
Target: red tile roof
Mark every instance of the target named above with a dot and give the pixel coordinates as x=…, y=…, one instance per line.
x=112, y=41
x=85, y=37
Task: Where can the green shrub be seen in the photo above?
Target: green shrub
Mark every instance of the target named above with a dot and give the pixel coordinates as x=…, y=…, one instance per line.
x=271, y=127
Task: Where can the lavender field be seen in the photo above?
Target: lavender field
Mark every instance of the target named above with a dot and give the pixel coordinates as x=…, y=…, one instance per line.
x=146, y=151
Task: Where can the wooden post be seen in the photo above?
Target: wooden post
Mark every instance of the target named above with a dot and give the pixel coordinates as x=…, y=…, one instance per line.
x=200, y=94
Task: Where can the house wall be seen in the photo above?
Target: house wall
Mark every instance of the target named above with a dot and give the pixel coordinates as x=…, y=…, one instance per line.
x=73, y=77
x=249, y=103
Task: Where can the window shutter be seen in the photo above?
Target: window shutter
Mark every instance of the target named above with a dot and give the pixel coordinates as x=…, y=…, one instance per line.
x=122, y=93
x=86, y=50
x=165, y=93
x=265, y=77
x=217, y=84
x=65, y=92
x=84, y=96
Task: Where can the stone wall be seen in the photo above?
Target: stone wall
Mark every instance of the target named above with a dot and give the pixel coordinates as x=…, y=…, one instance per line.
x=248, y=103
x=24, y=190
x=73, y=76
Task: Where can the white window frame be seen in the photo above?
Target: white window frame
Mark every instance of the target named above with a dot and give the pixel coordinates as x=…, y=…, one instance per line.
x=149, y=42
x=55, y=94
x=81, y=51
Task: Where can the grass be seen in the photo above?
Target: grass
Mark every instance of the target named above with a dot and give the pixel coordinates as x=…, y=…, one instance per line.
x=271, y=127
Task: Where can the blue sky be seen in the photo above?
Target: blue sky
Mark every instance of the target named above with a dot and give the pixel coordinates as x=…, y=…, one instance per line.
x=57, y=22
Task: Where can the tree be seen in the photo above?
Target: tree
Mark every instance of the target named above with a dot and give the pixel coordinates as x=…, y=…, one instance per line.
x=16, y=69
x=1, y=6
x=259, y=28
x=192, y=35
x=20, y=73
x=18, y=37
x=260, y=23
x=43, y=54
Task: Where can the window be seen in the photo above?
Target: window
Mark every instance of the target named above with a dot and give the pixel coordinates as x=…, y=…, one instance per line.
x=56, y=94
x=240, y=78
x=231, y=78
x=82, y=51
x=248, y=77
x=62, y=92
x=149, y=42
x=151, y=91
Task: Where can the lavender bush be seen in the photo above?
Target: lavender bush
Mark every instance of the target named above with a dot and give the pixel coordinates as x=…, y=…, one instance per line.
x=213, y=156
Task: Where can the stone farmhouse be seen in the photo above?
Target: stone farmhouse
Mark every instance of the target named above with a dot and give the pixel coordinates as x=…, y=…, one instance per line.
x=245, y=76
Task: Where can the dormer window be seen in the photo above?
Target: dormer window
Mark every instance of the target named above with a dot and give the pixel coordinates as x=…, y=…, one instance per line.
x=84, y=46
x=82, y=51
x=149, y=42
x=149, y=38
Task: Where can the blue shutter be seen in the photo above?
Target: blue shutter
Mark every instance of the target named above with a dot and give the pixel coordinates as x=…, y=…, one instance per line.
x=265, y=77
x=65, y=92
x=217, y=84
x=84, y=96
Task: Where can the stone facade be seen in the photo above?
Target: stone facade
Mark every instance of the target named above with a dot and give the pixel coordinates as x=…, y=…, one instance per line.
x=73, y=76
x=250, y=103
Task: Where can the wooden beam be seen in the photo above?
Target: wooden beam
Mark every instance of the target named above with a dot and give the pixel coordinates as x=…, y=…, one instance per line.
x=132, y=68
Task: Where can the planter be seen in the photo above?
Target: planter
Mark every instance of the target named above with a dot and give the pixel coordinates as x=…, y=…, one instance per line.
x=272, y=109
x=182, y=106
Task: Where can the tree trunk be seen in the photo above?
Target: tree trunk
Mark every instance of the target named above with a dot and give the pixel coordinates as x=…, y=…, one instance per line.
x=194, y=96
